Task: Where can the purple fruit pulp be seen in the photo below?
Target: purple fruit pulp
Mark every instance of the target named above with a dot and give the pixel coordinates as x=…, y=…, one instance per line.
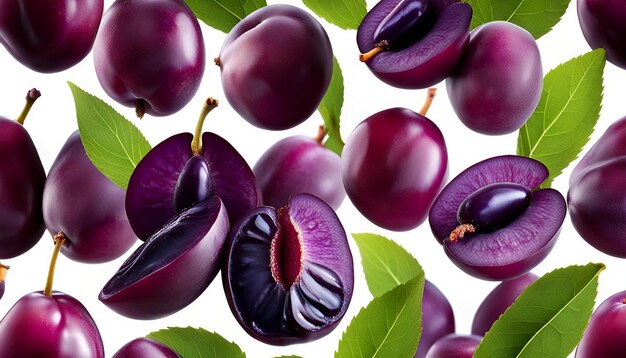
x=437, y=318
x=455, y=346
x=299, y=165
x=604, y=336
x=149, y=55
x=602, y=23
x=409, y=17
x=52, y=35
x=145, y=348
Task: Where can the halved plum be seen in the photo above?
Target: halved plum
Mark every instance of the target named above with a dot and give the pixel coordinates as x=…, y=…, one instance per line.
x=517, y=243
x=288, y=272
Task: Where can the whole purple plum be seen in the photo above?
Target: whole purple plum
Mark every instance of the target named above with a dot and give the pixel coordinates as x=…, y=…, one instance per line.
x=493, y=220
x=22, y=180
x=287, y=69
x=602, y=23
x=414, y=43
x=498, y=300
x=149, y=55
x=145, y=348
x=288, y=273
x=3, y=274
x=437, y=318
x=499, y=80
x=455, y=346
x=86, y=207
x=605, y=335
x=52, y=35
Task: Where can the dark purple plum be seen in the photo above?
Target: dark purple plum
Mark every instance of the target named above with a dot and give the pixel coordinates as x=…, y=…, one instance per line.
x=286, y=73
x=3, y=274
x=87, y=207
x=602, y=23
x=605, y=335
x=145, y=348
x=498, y=300
x=414, y=43
x=49, y=36
x=288, y=272
x=455, y=346
x=296, y=165
x=173, y=266
x=22, y=180
x=149, y=55
x=509, y=251
x=437, y=318
x=499, y=80
x=173, y=176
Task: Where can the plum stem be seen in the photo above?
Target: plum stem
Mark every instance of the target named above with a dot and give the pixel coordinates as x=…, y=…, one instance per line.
x=321, y=134
x=381, y=46
x=460, y=231
x=59, y=240
x=196, y=144
x=217, y=62
x=31, y=97
x=430, y=95
x=140, y=108
x=3, y=272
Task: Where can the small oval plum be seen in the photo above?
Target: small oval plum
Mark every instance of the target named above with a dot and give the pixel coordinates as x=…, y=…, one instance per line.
x=455, y=346
x=437, y=318
x=145, y=348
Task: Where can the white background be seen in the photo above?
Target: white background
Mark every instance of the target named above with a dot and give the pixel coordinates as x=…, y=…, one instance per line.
x=53, y=119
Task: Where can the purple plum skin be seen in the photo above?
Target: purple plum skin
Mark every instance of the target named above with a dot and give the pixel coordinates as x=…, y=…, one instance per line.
x=455, y=346
x=393, y=166
x=145, y=348
x=498, y=300
x=49, y=327
x=2, y=284
x=299, y=165
x=22, y=180
x=605, y=336
x=287, y=69
x=437, y=318
x=429, y=60
x=602, y=23
x=150, y=51
x=49, y=36
x=499, y=80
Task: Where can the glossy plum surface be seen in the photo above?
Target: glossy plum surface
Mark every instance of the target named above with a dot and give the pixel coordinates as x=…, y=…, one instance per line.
x=437, y=318
x=512, y=250
x=287, y=69
x=602, y=23
x=605, y=336
x=426, y=54
x=455, y=346
x=393, y=166
x=499, y=80
x=149, y=55
x=407, y=18
x=58, y=326
x=296, y=165
x=288, y=273
x=52, y=35
x=145, y=348
x=86, y=206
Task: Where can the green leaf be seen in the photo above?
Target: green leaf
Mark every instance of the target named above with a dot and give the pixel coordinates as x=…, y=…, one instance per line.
x=223, y=15
x=385, y=263
x=197, y=343
x=537, y=16
x=566, y=114
x=346, y=14
x=390, y=325
x=549, y=317
x=330, y=109
x=112, y=142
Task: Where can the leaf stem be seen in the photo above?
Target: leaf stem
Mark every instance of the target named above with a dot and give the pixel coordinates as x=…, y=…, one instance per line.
x=59, y=240
x=31, y=97
x=196, y=144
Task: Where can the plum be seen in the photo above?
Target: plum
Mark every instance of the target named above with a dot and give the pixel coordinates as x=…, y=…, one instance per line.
x=602, y=23
x=511, y=245
x=21, y=186
x=3, y=274
x=498, y=300
x=455, y=346
x=499, y=80
x=149, y=55
x=145, y=348
x=437, y=318
x=288, y=273
x=286, y=71
x=49, y=36
x=213, y=167
x=414, y=43
x=605, y=336
x=394, y=164
x=296, y=165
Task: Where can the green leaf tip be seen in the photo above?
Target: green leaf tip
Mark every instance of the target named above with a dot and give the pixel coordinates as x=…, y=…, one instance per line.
x=192, y=342
x=347, y=14
x=330, y=109
x=223, y=15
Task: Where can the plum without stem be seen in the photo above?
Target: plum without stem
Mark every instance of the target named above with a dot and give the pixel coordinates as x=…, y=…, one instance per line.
x=145, y=348
x=455, y=346
x=49, y=36
x=288, y=272
x=296, y=165
x=516, y=243
x=437, y=318
x=3, y=274
x=287, y=68
x=21, y=186
x=414, y=43
x=149, y=55
x=602, y=23
x=499, y=80
x=605, y=336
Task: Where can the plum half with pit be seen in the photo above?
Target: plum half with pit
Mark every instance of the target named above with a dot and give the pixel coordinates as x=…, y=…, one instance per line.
x=288, y=273
x=494, y=221
x=414, y=43
x=605, y=335
x=437, y=318
x=145, y=348
x=602, y=24
x=455, y=346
